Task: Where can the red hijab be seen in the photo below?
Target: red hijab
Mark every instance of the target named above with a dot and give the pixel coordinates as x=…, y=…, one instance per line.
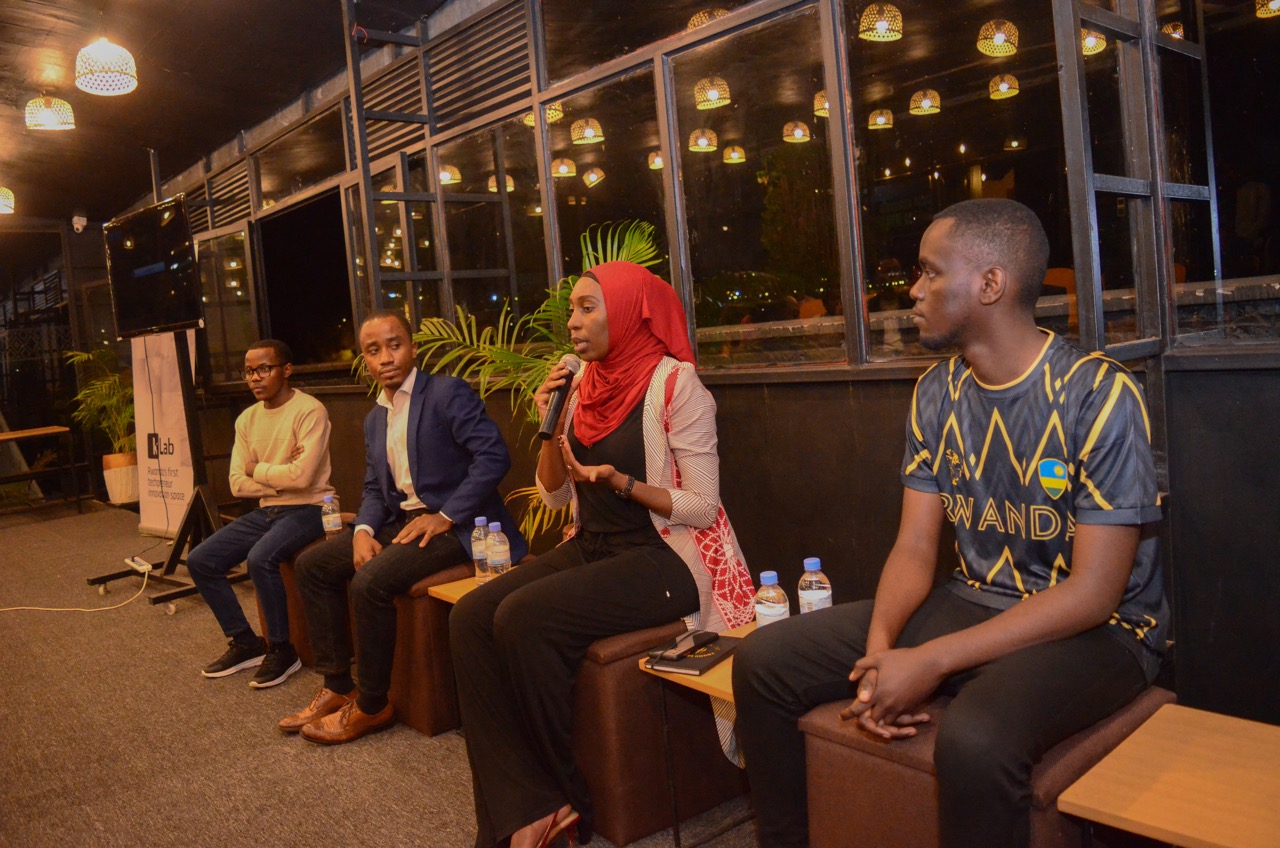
x=646, y=323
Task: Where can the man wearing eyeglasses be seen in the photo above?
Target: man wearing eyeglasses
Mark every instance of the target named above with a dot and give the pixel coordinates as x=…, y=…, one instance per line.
x=281, y=457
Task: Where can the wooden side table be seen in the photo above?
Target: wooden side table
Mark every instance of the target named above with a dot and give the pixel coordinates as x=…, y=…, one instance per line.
x=1189, y=777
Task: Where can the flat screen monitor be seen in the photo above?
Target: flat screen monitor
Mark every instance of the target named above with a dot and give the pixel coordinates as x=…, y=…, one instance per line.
x=151, y=263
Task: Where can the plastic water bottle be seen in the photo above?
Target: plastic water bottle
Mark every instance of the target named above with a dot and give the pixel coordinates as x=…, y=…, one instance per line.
x=815, y=588
x=771, y=601
x=330, y=517
x=498, y=550
x=479, y=555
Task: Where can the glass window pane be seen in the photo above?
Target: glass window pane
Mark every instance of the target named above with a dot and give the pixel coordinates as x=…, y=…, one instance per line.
x=482, y=297
x=1186, y=160
x=583, y=35
x=427, y=293
x=1120, y=219
x=355, y=240
x=476, y=240
x=609, y=179
x=424, y=248
x=997, y=133
x=756, y=173
x=387, y=228
x=519, y=158
x=1111, y=152
x=306, y=156
x=229, y=323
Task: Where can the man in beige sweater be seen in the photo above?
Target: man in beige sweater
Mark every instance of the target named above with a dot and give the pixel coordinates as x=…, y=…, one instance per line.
x=281, y=456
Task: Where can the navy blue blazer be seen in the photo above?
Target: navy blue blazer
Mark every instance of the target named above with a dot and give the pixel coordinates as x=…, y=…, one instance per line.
x=457, y=457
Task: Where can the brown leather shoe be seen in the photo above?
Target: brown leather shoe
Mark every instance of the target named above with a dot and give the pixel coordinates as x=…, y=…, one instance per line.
x=325, y=702
x=348, y=724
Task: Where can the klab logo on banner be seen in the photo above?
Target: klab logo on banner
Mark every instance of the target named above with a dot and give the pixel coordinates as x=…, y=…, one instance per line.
x=157, y=449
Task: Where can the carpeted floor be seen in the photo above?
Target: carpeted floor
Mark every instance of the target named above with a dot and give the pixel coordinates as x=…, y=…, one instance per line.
x=110, y=735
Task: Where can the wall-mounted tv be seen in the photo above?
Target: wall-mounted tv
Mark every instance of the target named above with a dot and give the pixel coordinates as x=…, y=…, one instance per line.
x=151, y=263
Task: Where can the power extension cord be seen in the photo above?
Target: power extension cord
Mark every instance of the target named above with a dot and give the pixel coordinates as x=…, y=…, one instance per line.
x=138, y=564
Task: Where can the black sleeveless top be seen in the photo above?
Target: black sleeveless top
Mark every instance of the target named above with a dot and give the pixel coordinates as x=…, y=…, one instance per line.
x=599, y=508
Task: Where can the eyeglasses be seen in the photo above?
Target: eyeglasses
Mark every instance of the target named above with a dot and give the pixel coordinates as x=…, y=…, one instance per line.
x=263, y=371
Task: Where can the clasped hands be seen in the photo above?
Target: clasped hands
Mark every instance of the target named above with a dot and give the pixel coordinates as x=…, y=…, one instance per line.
x=892, y=684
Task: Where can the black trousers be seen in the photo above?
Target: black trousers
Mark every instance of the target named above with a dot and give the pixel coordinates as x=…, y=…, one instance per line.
x=517, y=643
x=323, y=573
x=1005, y=714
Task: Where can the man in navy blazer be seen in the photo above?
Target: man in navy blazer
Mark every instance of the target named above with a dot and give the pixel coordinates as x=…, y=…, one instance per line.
x=433, y=460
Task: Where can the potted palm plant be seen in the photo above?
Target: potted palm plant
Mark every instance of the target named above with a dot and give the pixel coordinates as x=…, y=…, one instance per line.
x=105, y=403
x=516, y=355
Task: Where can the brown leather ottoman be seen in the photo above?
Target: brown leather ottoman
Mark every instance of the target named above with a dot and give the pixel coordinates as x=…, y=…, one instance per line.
x=422, y=687
x=863, y=792
x=617, y=741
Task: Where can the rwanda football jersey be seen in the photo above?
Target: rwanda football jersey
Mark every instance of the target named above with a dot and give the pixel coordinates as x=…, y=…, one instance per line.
x=1018, y=466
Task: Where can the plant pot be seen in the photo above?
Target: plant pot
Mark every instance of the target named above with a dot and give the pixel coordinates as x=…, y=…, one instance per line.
x=121, y=473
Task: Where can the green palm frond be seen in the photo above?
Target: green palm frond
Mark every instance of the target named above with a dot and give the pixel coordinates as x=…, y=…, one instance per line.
x=105, y=399
x=536, y=517
x=627, y=241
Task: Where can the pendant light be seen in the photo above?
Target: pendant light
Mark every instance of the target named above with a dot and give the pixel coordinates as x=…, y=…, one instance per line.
x=586, y=131
x=998, y=38
x=821, y=105
x=734, y=155
x=655, y=161
x=703, y=140
x=711, y=93
x=1003, y=87
x=564, y=168
x=49, y=113
x=6, y=201
x=925, y=102
x=796, y=132
x=880, y=119
x=593, y=177
x=106, y=69
x=449, y=175
x=880, y=22
x=1091, y=42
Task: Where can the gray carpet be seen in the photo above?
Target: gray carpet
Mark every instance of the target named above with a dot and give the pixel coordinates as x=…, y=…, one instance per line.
x=111, y=736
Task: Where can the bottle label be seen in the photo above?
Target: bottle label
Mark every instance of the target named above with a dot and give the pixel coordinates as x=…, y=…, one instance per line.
x=477, y=551
x=769, y=613
x=814, y=599
x=331, y=521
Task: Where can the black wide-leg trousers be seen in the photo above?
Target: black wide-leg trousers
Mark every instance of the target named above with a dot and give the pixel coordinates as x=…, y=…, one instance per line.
x=1004, y=717
x=517, y=643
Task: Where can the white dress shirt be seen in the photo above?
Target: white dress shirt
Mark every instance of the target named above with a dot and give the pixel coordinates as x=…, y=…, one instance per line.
x=398, y=443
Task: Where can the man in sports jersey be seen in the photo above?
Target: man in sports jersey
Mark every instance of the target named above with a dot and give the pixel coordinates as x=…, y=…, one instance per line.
x=1039, y=455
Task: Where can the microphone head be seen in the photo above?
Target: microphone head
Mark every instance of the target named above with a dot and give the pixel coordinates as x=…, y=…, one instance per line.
x=573, y=363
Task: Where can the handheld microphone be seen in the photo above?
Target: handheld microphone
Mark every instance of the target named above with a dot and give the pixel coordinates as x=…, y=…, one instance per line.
x=574, y=364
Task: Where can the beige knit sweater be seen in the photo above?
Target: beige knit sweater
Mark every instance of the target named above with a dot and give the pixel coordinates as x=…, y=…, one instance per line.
x=267, y=437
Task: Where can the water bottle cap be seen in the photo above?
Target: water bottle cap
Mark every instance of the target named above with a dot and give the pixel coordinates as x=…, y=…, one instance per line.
x=495, y=527
x=328, y=498
x=481, y=521
x=768, y=578
x=812, y=564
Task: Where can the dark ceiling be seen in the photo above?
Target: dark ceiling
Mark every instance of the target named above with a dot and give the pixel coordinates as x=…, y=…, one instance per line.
x=206, y=71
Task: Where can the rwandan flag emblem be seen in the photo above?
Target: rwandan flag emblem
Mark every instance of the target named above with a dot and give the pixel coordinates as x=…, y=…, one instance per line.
x=1053, y=476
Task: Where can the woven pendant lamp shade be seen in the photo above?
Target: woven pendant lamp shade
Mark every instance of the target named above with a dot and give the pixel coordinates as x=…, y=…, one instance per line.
x=586, y=131
x=703, y=140
x=105, y=68
x=1173, y=30
x=449, y=175
x=1092, y=43
x=593, y=177
x=49, y=113
x=564, y=168
x=655, y=161
x=705, y=17
x=711, y=93
x=821, y=105
x=552, y=112
x=998, y=38
x=796, y=132
x=6, y=201
x=493, y=184
x=880, y=119
x=734, y=155
x=925, y=102
x=1266, y=8
x=1003, y=87
x=880, y=22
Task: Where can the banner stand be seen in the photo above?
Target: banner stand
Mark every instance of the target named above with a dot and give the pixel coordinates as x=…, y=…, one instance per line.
x=201, y=519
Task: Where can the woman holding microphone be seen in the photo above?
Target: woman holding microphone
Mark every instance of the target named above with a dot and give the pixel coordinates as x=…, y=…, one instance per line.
x=634, y=453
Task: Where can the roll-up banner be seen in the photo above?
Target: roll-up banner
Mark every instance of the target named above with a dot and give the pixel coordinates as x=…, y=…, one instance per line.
x=165, y=478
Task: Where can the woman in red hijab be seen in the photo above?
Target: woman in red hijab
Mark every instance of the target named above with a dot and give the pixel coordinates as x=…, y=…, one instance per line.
x=635, y=454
